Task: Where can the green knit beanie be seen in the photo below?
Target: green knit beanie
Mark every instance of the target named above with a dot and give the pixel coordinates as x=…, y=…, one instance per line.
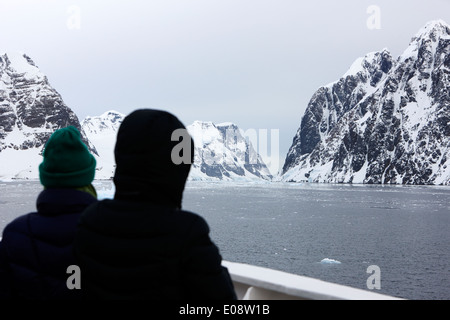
x=67, y=161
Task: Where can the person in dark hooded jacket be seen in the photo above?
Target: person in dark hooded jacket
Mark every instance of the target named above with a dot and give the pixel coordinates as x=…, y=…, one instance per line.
x=37, y=248
x=141, y=244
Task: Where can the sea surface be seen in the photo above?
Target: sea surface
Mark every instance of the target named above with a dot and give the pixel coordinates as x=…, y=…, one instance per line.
x=332, y=232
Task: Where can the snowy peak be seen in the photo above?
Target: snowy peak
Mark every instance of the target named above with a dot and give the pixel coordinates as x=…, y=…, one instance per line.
x=385, y=121
x=30, y=111
x=21, y=64
x=108, y=122
x=332, y=102
x=223, y=153
x=428, y=43
x=433, y=30
x=373, y=66
x=102, y=132
x=27, y=100
x=204, y=133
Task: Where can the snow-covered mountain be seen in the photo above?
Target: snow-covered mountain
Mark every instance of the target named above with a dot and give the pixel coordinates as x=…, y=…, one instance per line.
x=221, y=151
x=101, y=132
x=30, y=111
x=385, y=121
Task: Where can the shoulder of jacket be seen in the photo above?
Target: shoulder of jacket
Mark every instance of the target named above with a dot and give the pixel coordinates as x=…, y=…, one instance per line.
x=197, y=224
x=18, y=225
x=192, y=216
x=90, y=212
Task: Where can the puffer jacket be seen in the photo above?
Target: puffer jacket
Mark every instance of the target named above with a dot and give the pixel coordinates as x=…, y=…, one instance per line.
x=37, y=248
x=138, y=250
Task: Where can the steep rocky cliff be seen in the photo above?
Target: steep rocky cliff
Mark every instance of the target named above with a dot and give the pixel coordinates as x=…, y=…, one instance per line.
x=385, y=121
x=30, y=111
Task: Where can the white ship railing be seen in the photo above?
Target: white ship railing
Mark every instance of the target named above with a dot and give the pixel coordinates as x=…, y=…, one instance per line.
x=258, y=283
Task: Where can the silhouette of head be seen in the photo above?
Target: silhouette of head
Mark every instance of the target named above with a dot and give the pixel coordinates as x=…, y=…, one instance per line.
x=145, y=170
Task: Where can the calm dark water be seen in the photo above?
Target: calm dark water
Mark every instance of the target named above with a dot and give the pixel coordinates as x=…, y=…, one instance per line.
x=404, y=230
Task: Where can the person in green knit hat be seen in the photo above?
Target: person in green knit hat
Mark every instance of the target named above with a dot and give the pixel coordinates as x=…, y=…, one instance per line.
x=67, y=162
x=37, y=248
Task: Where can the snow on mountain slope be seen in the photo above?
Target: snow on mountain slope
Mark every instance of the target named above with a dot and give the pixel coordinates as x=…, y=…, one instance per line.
x=221, y=152
x=384, y=121
x=30, y=111
x=101, y=132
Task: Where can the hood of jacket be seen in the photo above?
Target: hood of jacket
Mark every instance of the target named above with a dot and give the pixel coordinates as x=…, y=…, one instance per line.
x=143, y=152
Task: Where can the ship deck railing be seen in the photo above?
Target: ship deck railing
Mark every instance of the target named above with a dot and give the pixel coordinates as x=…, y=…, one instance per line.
x=259, y=283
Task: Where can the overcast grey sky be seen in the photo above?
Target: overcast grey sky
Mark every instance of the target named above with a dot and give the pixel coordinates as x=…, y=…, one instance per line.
x=252, y=62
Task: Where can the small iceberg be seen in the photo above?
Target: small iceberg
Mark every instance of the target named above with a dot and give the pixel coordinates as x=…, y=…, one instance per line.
x=329, y=261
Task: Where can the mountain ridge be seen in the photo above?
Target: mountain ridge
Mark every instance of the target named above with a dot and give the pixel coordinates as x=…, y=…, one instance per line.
x=30, y=111
x=216, y=156
x=385, y=121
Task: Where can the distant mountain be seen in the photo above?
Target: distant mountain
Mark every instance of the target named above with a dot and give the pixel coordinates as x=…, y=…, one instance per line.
x=30, y=111
x=221, y=152
x=385, y=121
x=101, y=132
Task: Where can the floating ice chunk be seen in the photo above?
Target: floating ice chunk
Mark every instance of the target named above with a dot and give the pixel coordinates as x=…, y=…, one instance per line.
x=330, y=261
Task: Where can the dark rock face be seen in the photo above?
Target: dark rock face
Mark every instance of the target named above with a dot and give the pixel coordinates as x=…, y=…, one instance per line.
x=29, y=106
x=386, y=121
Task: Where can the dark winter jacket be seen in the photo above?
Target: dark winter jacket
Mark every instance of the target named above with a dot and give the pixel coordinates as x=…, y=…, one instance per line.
x=141, y=244
x=37, y=248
